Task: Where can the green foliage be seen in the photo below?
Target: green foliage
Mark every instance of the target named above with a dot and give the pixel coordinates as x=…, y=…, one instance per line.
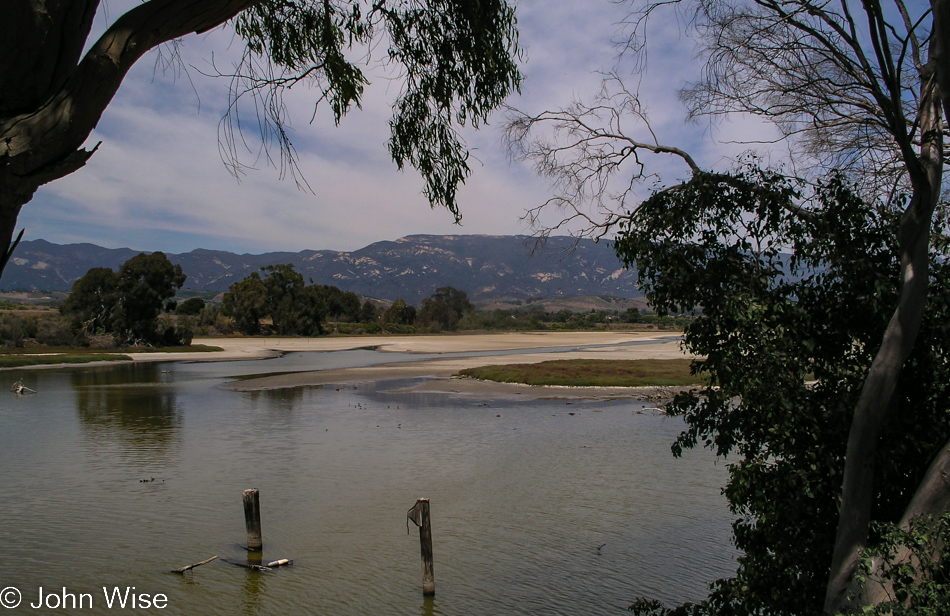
x=786, y=341
x=920, y=584
x=340, y=305
x=399, y=313
x=369, y=312
x=295, y=309
x=145, y=283
x=591, y=373
x=191, y=307
x=93, y=300
x=456, y=59
x=443, y=309
x=246, y=302
x=126, y=303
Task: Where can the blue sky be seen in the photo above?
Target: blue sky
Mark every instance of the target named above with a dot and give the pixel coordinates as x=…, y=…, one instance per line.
x=158, y=181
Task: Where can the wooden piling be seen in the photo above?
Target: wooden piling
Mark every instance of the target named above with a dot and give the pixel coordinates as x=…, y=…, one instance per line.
x=419, y=514
x=252, y=519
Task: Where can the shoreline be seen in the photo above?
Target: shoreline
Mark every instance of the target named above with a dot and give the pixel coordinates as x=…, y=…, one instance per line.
x=438, y=375
x=435, y=375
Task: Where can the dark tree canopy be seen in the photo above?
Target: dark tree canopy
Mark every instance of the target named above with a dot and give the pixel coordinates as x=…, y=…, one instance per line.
x=443, y=309
x=246, y=303
x=792, y=309
x=400, y=313
x=456, y=59
x=127, y=304
x=294, y=308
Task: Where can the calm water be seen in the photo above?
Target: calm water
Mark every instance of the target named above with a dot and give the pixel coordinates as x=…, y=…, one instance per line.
x=523, y=494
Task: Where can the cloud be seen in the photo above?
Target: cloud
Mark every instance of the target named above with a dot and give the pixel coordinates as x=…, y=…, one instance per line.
x=158, y=182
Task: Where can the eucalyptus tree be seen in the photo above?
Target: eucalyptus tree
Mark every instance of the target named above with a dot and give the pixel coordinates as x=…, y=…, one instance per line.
x=456, y=60
x=863, y=88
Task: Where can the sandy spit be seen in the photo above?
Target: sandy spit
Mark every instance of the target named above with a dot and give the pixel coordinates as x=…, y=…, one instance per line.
x=436, y=375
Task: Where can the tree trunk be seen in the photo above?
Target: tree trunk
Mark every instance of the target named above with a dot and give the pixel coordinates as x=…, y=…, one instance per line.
x=47, y=115
x=877, y=394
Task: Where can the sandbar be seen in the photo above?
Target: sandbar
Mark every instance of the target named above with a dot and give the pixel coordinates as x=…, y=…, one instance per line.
x=437, y=375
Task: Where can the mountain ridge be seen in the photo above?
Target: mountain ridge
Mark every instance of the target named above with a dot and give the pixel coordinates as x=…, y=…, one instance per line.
x=486, y=267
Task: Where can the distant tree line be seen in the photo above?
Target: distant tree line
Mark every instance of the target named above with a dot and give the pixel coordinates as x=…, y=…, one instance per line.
x=134, y=306
x=277, y=301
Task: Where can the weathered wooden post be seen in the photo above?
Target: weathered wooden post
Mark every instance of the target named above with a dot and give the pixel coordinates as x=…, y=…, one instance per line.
x=419, y=514
x=252, y=519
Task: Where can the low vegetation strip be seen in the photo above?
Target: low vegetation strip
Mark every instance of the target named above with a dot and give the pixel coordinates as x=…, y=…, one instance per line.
x=592, y=373
x=17, y=360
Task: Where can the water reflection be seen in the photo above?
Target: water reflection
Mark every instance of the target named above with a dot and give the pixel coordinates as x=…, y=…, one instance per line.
x=255, y=584
x=283, y=398
x=132, y=408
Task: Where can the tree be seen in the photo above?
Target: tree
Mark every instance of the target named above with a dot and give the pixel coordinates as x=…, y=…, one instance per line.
x=127, y=303
x=146, y=283
x=369, y=313
x=191, y=306
x=92, y=300
x=295, y=309
x=456, y=59
x=849, y=88
x=246, y=303
x=443, y=309
x=400, y=313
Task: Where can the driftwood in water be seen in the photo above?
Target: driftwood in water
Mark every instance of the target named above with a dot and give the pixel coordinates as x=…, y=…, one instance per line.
x=20, y=389
x=247, y=565
x=204, y=562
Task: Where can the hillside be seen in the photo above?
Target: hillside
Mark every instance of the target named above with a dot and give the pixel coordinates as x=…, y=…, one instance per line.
x=488, y=268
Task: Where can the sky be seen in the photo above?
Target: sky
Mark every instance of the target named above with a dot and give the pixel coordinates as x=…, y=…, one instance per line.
x=157, y=182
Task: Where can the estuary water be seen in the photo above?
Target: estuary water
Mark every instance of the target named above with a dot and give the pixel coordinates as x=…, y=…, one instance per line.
x=113, y=476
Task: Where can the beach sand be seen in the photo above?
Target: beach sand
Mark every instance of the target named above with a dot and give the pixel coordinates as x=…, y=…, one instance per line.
x=437, y=375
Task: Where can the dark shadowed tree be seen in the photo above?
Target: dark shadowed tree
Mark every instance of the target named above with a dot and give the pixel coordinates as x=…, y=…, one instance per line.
x=126, y=303
x=190, y=307
x=455, y=58
x=369, y=313
x=92, y=300
x=400, y=313
x=443, y=309
x=863, y=88
x=246, y=303
x=146, y=283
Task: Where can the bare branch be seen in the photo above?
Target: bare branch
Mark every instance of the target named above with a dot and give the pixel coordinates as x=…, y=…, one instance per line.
x=592, y=157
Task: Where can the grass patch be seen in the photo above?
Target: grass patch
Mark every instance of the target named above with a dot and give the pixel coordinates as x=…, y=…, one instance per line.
x=592, y=373
x=192, y=348
x=17, y=360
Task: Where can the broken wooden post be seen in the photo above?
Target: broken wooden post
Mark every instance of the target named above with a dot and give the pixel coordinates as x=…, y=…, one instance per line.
x=252, y=519
x=419, y=514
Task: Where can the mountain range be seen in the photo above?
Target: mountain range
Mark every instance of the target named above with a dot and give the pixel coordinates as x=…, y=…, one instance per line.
x=487, y=268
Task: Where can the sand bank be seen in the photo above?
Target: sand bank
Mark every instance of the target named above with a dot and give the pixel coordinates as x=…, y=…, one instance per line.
x=264, y=347
x=436, y=375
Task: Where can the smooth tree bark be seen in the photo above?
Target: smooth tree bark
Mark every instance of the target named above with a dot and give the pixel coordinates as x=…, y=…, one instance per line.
x=52, y=96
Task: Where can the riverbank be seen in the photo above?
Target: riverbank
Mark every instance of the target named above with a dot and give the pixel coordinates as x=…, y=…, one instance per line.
x=438, y=375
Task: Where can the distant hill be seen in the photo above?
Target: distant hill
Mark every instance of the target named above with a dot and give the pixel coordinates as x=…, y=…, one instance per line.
x=488, y=268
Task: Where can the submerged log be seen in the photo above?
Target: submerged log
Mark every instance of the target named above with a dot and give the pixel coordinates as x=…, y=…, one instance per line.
x=186, y=568
x=247, y=565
